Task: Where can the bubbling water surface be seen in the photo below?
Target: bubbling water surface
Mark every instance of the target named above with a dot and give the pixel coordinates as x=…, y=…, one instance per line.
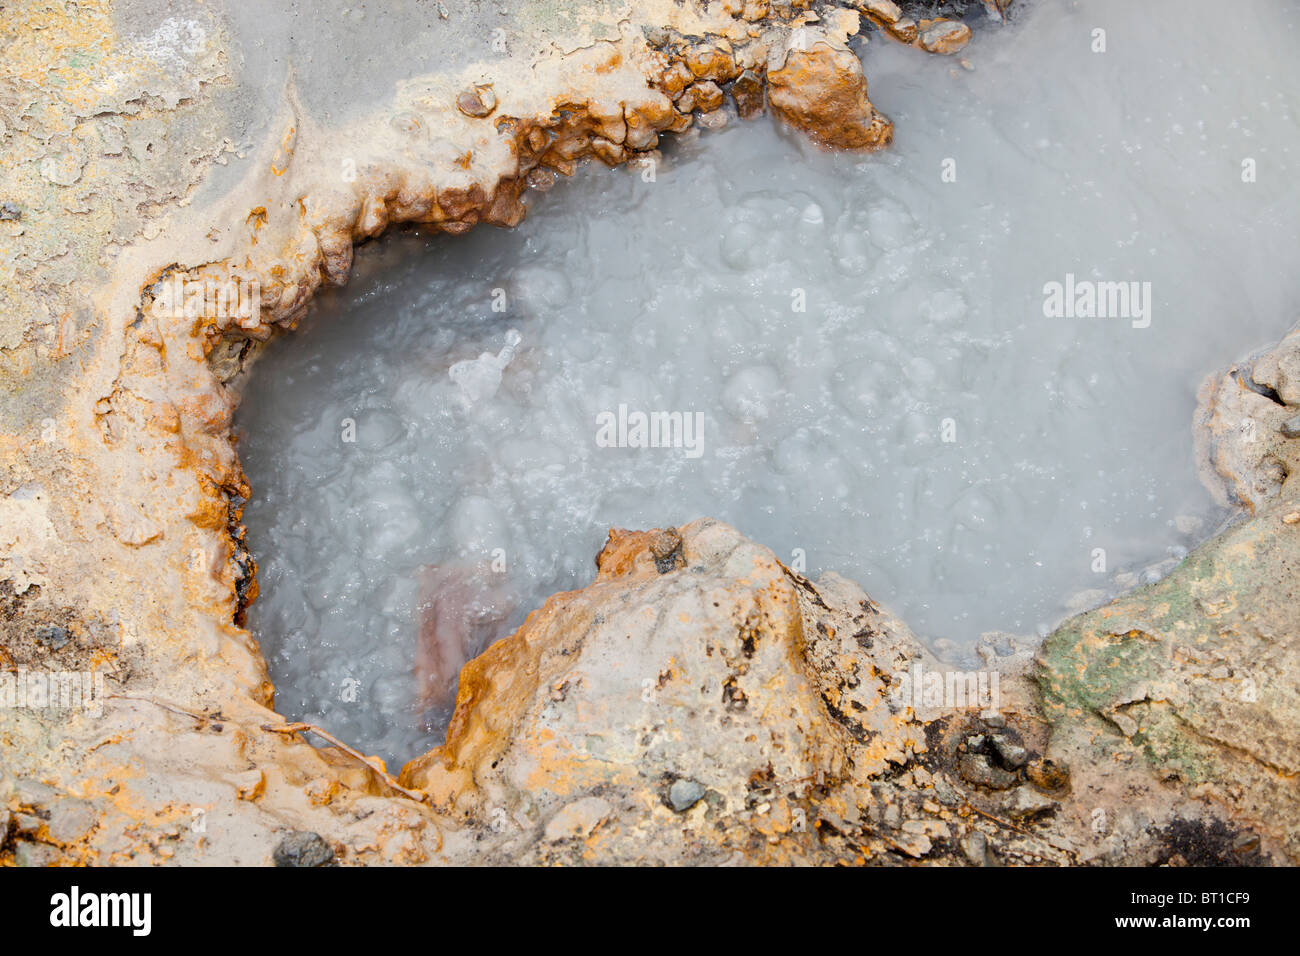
x=864, y=344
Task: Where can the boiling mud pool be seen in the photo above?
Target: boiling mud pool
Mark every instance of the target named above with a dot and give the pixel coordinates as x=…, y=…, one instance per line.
x=831, y=320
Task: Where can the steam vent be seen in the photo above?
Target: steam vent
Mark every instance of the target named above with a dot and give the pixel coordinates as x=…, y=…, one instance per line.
x=649, y=432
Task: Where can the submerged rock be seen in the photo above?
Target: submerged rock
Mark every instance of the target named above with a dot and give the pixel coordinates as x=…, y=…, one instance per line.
x=944, y=36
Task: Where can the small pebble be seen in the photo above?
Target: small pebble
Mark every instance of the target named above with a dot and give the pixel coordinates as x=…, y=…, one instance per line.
x=478, y=102
x=684, y=794
x=975, y=847
x=1011, y=754
x=979, y=770
x=303, y=848
x=53, y=636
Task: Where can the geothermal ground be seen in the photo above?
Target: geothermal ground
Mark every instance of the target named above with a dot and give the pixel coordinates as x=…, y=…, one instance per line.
x=990, y=336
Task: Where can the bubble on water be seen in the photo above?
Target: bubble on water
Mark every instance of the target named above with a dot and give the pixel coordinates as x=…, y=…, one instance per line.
x=944, y=306
x=890, y=224
x=541, y=289
x=751, y=393
x=742, y=245
x=477, y=526
x=921, y=372
x=852, y=250
x=378, y=428
x=975, y=510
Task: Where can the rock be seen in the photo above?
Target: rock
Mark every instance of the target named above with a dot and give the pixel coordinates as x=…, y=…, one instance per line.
x=707, y=62
x=578, y=820
x=1085, y=600
x=675, y=78
x=892, y=816
x=684, y=794
x=975, y=847
x=979, y=770
x=1244, y=453
x=1124, y=580
x=9, y=212
x=706, y=94
x=53, y=636
x=63, y=169
x=1279, y=369
x=904, y=30
x=36, y=854
x=944, y=37
x=823, y=92
x=714, y=119
x=656, y=36
x=6, y=824
x=250, y=785
x=747, y=91
x=945, y=793
x=70, y=820
x=541, y=179
x=479, y=101
x=1291, y=428
x=1026, y=803
x=1245, y=843
x=303, y=848
x=1011, y=755
x=914, y=844
x=718, y=643
x=1156, y=572
x=1206, y=663
x=885, y=11
x=996, y=9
